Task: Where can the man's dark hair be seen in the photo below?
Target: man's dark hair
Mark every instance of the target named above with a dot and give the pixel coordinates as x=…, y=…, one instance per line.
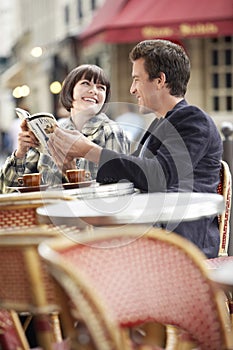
x=163, y=56
x=85, y=71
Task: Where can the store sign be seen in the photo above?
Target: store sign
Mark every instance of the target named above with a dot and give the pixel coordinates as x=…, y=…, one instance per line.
x=198, y=29
x=184, y=29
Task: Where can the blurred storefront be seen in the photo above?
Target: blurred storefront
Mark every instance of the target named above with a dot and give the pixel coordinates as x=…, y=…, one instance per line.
x=205, y=30
x=103, y=32
x=131, y=20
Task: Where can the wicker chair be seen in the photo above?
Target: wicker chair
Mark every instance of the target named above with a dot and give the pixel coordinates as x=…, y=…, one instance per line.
x=19, y=209
x=141, y=277
x=225, y=189
x=25, y=287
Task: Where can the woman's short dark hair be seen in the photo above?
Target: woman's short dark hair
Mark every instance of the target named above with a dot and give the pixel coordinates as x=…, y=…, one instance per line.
x=85, y=71
x=163, y=56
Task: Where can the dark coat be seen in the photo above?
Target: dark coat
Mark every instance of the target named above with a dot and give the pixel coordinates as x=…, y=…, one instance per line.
x=180, y=152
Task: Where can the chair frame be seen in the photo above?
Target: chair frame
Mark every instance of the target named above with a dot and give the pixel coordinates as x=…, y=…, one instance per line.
x=225, y=189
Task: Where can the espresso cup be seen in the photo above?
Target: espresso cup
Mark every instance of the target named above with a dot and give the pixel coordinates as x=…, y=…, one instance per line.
x=30, y=180
x=77, y=175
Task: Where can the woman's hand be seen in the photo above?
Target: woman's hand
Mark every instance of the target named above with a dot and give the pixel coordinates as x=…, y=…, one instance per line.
x=26, y=139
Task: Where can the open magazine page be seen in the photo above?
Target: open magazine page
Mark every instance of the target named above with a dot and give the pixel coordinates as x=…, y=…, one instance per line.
x=42, y=124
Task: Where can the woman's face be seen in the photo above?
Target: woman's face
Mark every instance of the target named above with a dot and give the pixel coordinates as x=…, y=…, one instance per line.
x=88, y=96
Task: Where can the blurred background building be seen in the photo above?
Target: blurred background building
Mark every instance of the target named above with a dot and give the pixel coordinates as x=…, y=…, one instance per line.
x=41, y=41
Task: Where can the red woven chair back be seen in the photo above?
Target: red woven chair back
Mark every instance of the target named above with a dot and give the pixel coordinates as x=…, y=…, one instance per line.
x=18, y=217
x=26, y=286
x=18, y=254
x=19, y=209
x=225, y=189
x=159, y=277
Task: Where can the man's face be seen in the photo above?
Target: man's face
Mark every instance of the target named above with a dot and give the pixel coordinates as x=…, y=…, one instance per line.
x=142, y=88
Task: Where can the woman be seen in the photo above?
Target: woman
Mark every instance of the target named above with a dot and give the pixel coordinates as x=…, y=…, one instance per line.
x=84, y=94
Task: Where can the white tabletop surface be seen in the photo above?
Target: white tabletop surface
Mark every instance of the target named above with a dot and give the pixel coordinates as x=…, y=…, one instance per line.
x=133, y=209
x=223, y=274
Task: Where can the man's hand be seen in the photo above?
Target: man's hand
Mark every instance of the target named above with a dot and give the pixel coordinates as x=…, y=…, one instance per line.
x=69, y=163
x=66, y=145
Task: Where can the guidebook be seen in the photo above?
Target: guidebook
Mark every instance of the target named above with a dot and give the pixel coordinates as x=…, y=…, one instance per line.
x=42, y=125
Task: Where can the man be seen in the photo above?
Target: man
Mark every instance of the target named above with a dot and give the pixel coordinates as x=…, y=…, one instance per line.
x=180, y=151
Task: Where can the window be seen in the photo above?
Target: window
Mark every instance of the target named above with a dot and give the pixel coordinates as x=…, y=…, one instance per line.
x=67, y=14
x=219, y=69
x=80, y=9
x=93, y=5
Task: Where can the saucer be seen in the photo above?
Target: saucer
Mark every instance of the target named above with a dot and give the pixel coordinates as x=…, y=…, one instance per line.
x=31, y=188
x=72, y=185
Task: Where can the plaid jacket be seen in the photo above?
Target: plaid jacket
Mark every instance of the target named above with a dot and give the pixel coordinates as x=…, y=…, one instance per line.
x=99, y=129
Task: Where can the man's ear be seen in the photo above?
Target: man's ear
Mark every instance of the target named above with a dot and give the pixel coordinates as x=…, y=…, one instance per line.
x=160, y=81
x=162, y=78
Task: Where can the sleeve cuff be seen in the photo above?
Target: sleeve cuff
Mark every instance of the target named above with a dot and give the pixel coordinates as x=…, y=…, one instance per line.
x=16, y=161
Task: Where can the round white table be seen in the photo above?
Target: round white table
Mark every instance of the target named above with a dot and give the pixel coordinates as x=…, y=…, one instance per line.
x=223, y=273
x=132, y=209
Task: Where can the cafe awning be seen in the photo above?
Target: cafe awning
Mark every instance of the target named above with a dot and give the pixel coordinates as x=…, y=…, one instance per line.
x=124, y=21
